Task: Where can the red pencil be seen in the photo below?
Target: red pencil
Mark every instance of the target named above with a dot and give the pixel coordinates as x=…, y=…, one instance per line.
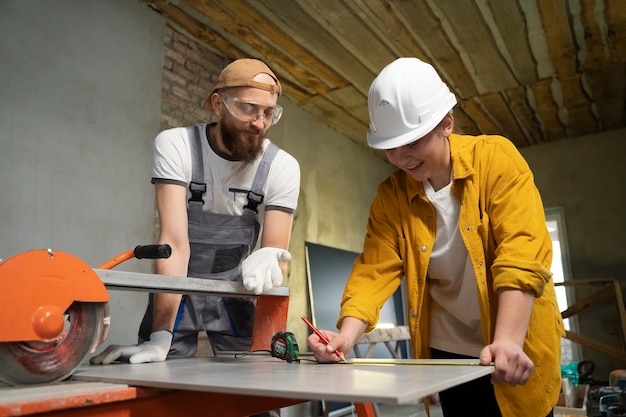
x=323, y=338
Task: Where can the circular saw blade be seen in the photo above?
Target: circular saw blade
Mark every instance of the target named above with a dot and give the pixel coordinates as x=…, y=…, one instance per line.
x=24, y=362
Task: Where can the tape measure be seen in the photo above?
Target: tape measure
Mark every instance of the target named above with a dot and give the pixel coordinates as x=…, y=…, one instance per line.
x=285, y=346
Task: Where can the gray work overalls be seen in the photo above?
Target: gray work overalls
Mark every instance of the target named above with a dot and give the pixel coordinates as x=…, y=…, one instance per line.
x=218, y=242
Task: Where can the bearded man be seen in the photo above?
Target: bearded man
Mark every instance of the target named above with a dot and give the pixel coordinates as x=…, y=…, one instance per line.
x=220, y=188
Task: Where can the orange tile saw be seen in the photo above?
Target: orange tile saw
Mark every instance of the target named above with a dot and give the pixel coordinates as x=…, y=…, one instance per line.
x=54, y=310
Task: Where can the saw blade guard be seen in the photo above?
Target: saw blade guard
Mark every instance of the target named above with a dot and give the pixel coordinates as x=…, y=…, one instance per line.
x=36, y=289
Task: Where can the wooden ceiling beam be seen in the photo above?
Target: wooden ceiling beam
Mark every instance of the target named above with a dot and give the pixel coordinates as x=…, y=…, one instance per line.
x=426, y=27
x=616, y=20
x=581, y=120
x=607, y=86
x=463, y=124
x=327, y=112
x=558, y=36
x=354, y=40
x=596, y=51
x=196, y=29
x=483, y=121
x=471, y=32
x=509, y=18
x=547, y=110
x=351, y=101
x=255, y=44
x=498, y=109
x=525, y=115
x=379, y=17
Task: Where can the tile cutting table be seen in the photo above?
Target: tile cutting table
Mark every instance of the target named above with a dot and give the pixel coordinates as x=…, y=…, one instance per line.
x=253, y=383
x=226, y=386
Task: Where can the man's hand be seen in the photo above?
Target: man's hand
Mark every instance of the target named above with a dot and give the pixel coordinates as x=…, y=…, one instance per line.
x=154, y=350
x=261, y=270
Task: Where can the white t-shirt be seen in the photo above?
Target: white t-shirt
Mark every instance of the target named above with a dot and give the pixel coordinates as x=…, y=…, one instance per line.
x=454, y=317
x=228, y=182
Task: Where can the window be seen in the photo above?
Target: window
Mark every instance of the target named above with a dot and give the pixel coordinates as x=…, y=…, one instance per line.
x=555, y=221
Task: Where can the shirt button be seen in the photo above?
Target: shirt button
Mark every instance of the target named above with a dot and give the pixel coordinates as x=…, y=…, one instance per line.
x=413, y=313
x=424, y=249
x=468, y=228
x=480, y=263
x=430, y=218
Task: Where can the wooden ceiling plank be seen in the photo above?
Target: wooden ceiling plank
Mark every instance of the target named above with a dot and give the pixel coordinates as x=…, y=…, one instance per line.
x=472, y=34
x=547, y=110
x=352, y=101
x=255, y=15
x=524, y=114
x=294, y=90
x=616, y=20
x=514, y=31
x=327, y=112
x=608, y=86
x=256, y=44
x=498, y=109
x=308, y=33
x=463, y=124
x=348, y=29
x=581, y=120
x=420, y=21
x=353, y=38
x=196, y=29
x=559, y=36
x=380, y=18
x=477, y=114
x=595, y=54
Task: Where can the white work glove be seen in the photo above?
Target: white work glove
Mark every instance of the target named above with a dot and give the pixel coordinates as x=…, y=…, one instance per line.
x=261, y=270
x=154, y=350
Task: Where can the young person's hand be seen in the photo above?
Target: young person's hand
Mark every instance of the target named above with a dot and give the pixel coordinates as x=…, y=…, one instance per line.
x=513, y=366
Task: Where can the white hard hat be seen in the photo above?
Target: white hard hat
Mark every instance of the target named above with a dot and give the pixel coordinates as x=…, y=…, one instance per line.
x=406, y=101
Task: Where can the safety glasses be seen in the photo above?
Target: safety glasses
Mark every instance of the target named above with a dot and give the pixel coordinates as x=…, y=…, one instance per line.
x=247, y=111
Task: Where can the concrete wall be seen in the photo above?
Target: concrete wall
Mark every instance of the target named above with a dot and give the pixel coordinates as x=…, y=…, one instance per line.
x=80, y=88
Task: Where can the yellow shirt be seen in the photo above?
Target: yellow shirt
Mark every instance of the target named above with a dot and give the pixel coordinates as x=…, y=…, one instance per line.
x=503, y=226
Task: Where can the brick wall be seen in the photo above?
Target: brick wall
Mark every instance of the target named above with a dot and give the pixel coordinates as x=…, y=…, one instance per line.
x=189, y=73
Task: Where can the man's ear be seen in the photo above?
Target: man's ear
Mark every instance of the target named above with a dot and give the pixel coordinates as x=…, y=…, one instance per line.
x=217, y=103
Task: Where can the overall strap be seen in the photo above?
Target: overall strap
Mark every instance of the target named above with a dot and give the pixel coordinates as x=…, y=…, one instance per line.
x=256, y=195
x=197, y=186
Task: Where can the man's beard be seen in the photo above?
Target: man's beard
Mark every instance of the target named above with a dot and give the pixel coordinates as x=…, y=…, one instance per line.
x=242, y=149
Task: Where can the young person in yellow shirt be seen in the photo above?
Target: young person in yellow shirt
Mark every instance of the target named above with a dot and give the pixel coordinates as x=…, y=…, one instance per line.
x=463, y=222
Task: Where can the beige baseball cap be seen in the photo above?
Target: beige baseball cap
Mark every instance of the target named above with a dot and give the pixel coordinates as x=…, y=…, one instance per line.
x=240, y=73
